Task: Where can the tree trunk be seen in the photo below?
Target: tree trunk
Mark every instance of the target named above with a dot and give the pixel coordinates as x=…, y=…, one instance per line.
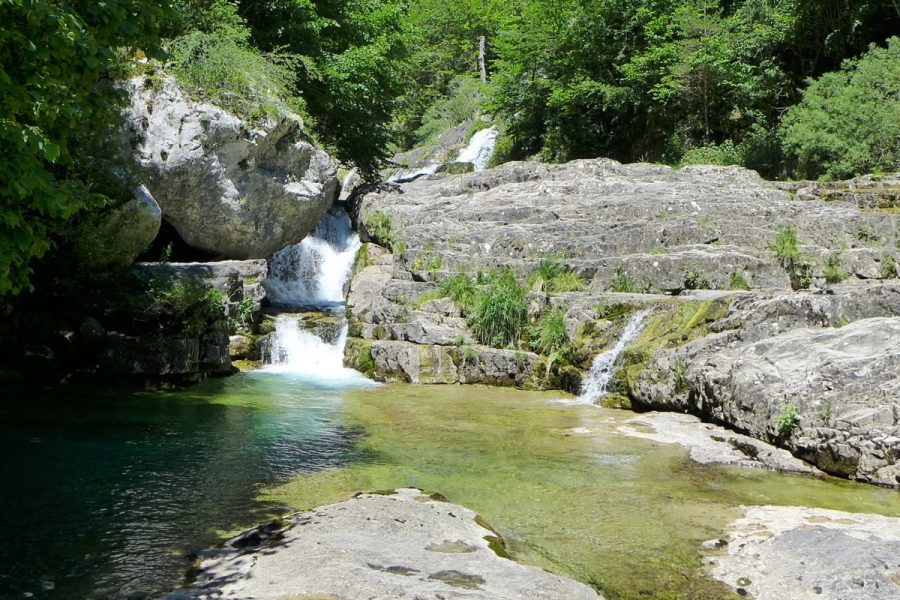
x=482, y=58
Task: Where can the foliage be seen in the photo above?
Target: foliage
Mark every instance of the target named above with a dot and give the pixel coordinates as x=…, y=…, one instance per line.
x=191, y=302
x=612, y=311
x=351, y=67
x=556, y=276
x=738, y=281
x=848, y=122
x=59, y=117
x=243, y=316
x=889, y=267
x=787, y=420
x=622, y=283
x=724, y=154
x=549, y=336
x=786, y=246
x=379, y=227
x=461, y=290
x=500, y=310
x=834, y=273
x=460, y=104
x=694, y=279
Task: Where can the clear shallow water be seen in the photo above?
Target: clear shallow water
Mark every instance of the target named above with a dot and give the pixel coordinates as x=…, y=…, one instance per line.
x=106, y=493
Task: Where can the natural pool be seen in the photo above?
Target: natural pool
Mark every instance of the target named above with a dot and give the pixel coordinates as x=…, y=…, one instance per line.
x=106, y=493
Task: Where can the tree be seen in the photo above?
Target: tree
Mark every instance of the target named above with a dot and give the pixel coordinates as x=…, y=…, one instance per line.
x=58, y=112
x=848, y=122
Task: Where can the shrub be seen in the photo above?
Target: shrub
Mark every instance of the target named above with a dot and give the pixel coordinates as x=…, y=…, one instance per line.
x=888, y=267
x=243, y=317
x=787, y=420
x=621, y=282
x=725, y=154
x=847, y=123
x=191, y=302
x=694, y=279
x=379, y=227
x=833, y=271
x=500, y=310
x=461, y=290
x=738, y=281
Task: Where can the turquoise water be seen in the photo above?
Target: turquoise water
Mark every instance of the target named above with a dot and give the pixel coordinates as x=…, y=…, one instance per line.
x=106, y=493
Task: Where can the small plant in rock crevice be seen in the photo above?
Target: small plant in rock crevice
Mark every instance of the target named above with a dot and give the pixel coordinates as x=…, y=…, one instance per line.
x=834, y=273
x=380, y=228
x=787, y=420
x=738, y=281
x=889, y=267
x=786, y=246
x=694, y=279
x=557, y=277
x=622, y=283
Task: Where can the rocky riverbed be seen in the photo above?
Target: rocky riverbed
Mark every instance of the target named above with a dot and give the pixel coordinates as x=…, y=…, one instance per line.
x=796, y=351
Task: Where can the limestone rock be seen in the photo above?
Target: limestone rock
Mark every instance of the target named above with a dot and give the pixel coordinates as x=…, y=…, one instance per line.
x=228, y=188
x=830, y=395
x=812, y=554
x=121, y=235
x=403, y=544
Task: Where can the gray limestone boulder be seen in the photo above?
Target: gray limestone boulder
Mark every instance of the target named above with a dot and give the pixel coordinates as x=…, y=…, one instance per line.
x=121, y=234
x=228, y=187
x=775, y=552
x=402, y=544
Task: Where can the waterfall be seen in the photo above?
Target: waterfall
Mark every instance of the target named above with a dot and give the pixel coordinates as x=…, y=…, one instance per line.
x=480, y=148
x=594, y=387
x=404, y=175
x=313, y=275
x=315, y=271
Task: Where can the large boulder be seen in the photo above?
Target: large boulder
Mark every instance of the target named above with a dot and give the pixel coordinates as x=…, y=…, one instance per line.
x=400, y=544
x=227, y=186
x=121, y=234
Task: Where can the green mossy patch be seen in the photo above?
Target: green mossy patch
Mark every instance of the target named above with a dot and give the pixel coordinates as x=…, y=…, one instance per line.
x=359, y=356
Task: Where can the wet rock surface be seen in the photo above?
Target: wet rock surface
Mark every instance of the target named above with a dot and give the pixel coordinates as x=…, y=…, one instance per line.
x=806, y=553
x=401, y=544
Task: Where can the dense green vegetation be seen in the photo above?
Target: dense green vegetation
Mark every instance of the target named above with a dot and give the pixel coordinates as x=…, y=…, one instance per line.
x=803, y=88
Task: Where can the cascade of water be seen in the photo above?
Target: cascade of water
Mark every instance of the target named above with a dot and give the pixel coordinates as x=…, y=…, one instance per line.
x=315, y=271
x=595, y=385
x=409, y=174
x=480, y=148
x=295, y=350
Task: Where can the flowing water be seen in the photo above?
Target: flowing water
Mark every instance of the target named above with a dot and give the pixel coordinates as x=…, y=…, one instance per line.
x=480, y=148
x=596, y=384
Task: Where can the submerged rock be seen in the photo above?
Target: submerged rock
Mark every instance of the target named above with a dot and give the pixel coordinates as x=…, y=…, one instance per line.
x=228, y=187
x=402, y=544
x=811, y=554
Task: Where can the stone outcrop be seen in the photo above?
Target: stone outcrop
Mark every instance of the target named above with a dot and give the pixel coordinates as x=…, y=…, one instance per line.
x=121, y=234
x=650, y=222
x=811, y=554
x=229, y=187
x=400, y=544
x=817, y=374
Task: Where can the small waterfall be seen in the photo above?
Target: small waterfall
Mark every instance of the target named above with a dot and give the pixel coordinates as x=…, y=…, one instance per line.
x=480, y=148
x=404, y=175
x=315, y=271
x=313, y=275
x=595, y=385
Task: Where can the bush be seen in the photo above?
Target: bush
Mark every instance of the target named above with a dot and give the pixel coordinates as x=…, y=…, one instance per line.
x=848, y=122
x=379, y=227
x=787, y=420
x=694, y=279
x=725, y=154
x=227, y=71
x=191, y=302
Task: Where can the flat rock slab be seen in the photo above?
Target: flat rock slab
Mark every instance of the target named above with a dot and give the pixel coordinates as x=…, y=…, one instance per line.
x=400, y=545
x=711, y=444
x=806, y=553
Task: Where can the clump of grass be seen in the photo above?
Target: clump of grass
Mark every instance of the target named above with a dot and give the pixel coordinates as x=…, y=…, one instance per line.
x=833, y=271
x=622, y=283
x=548, y=336
x=787, y=246
x=461, y=290
x=738, y=281
x=612, y=311
x=694, y=279
x=557, y=277
x=500, y=310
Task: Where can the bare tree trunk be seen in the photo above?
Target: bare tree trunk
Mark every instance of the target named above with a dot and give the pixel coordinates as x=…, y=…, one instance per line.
x=482, y=58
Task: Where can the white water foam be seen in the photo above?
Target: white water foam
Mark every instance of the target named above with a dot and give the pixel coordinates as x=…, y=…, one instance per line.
x=315, y=271
x=409, y=174
x=480, y=148
x=295, y=351
x=596, y=384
